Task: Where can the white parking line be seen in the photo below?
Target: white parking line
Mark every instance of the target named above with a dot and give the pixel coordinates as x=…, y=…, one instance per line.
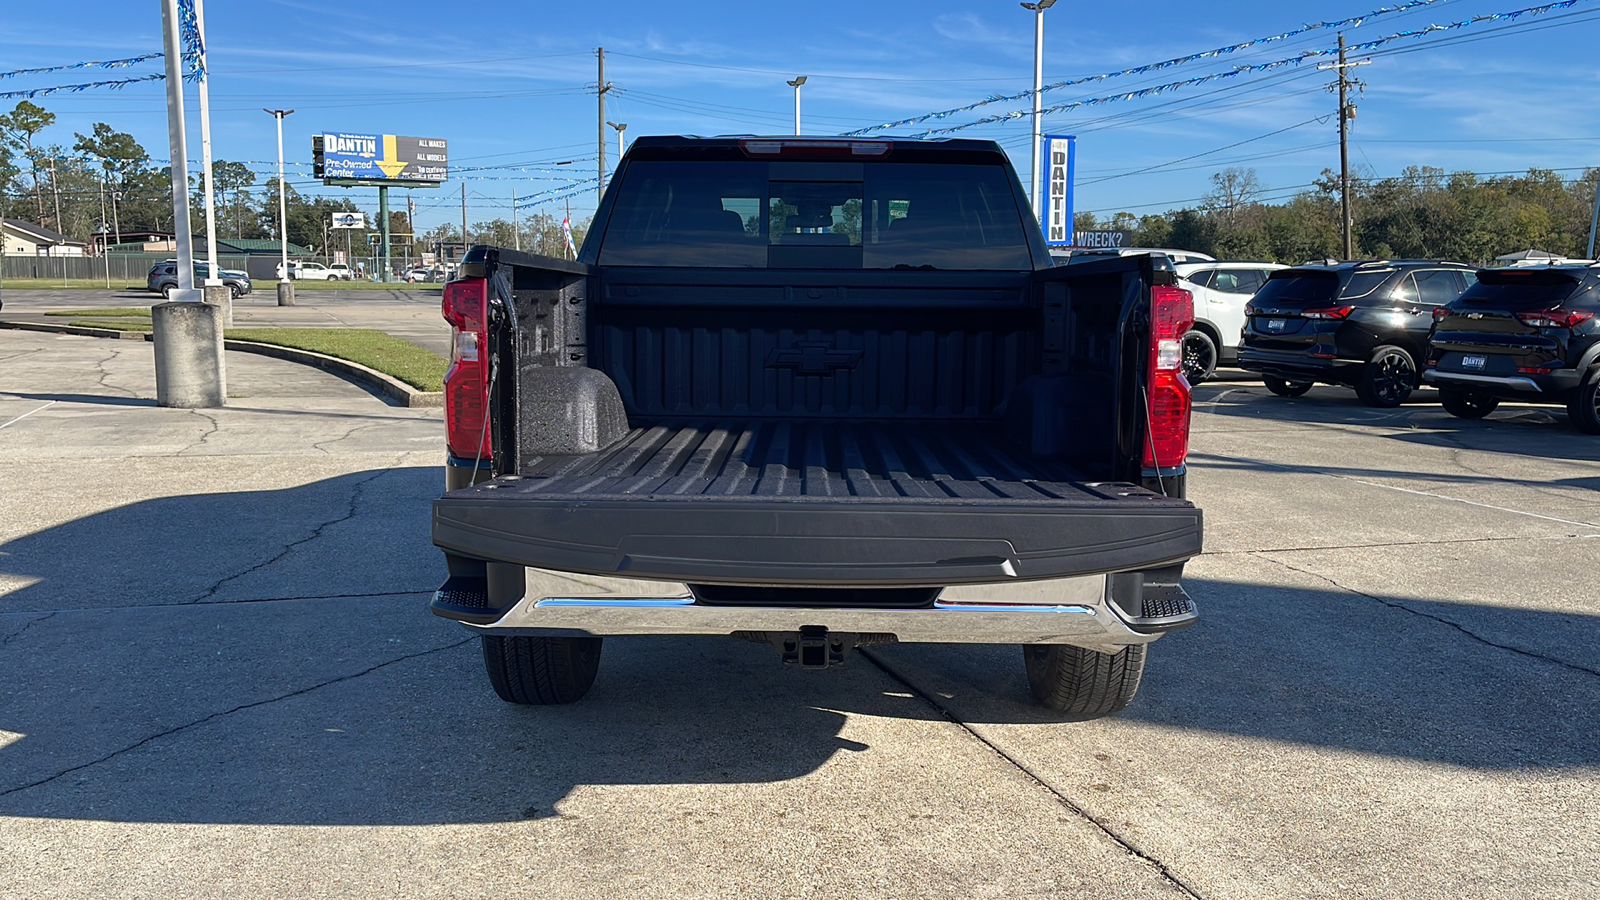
x=29, y=413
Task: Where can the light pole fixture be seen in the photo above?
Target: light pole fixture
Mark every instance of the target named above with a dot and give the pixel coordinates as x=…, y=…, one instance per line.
x=799, y=80
x=620, y=127
x=285, y=289
x=1038, y=88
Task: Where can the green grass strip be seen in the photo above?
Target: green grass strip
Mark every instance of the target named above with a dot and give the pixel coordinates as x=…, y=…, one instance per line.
x=115, y=312
x=113, y=324
x=422, y=369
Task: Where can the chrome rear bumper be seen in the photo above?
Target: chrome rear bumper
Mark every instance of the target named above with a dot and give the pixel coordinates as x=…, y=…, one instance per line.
x=1058, y=611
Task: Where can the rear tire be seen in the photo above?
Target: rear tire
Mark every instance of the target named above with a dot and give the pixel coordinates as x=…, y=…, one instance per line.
x=1466, y=405
x=233, y=291
x=1285, y=388
x=1199, y=356
x=541, y=671
x=1083, y=684
x=166, y=291
x=1388, y=379
x=1583, y=410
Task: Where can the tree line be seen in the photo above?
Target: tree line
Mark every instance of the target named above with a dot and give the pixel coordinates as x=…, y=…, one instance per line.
x=1423, y=213
x=105, y=182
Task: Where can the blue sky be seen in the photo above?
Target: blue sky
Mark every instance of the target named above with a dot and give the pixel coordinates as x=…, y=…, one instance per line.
x=510, y=85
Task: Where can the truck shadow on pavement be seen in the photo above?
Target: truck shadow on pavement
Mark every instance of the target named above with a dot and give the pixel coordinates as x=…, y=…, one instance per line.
x=286, y=671
x=1482, y=687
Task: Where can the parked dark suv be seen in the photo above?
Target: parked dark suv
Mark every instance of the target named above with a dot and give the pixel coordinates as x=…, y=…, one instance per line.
x=1529, y=334
x=1360, y=324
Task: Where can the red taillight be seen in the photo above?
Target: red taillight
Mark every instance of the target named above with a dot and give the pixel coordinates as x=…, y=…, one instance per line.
x=1553, y=318
x=804, y=148
x=1331, y=312
x=1439, y=313
x=466, y=382
x=1535, y=370
x=1171, y=315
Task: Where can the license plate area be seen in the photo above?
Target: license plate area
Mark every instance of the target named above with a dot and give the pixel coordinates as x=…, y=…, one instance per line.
x=1474, y=361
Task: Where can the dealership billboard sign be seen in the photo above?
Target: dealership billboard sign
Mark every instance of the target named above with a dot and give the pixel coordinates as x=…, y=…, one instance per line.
x=349, y=220
x=340, y=157
x=1059, y=161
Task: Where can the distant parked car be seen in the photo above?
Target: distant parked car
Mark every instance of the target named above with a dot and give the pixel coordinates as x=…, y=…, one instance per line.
x=1220, y=291
x=341, y=272
x=1360, y=324
x=305, y=270
x=1525, y=334
x=163, y=278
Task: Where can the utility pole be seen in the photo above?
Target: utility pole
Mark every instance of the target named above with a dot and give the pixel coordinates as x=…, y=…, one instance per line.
x=1347, y=111
x=55, y=190
x=798, y=80
x=600, y=187
x=463, y=218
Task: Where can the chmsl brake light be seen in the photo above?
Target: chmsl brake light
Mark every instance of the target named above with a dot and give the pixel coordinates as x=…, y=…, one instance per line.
x=1553, y=318
x=466, y=383
x=801, y=148
x=1331, y=312
x=1168, y=403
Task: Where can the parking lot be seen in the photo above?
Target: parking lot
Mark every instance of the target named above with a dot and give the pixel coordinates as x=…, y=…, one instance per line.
x=220, y=679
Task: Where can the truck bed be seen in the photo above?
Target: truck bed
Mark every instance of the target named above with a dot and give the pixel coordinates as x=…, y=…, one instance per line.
x=815, y=503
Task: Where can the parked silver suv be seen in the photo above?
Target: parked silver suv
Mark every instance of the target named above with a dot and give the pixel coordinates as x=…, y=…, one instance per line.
x=163, y=278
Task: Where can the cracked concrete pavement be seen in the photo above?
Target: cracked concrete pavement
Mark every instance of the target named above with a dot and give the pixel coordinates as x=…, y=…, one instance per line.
x=218, y=678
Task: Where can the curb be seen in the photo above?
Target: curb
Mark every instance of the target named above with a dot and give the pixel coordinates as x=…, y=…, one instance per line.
x=387, y=385
x=78, y=330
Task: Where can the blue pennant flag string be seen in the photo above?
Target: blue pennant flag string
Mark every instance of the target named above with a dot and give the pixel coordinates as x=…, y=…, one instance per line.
x=75, y=88
x=1208, y=54
x=1219, y=76
x=98, y=64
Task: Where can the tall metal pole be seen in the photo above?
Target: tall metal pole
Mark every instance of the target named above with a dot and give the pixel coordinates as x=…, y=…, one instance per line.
x=178, y=145
x=285, y=287
x=798, y=80
x=463, y=218
x=385, y=241
x=214, y=270
x=600, y=125
x=516, y=224
x=1038, y=97
x=1344, y=155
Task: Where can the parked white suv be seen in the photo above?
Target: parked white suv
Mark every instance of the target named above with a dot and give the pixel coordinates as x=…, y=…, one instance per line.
x=1221, y=289
x=303, y=270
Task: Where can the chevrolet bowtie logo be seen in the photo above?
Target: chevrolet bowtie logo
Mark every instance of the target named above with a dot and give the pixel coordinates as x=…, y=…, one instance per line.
x=813, y=359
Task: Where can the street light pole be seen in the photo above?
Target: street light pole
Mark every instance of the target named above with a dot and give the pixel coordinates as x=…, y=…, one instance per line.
x=285, y=287
x=799, y=80
x=1038, y=89
x=620, y=127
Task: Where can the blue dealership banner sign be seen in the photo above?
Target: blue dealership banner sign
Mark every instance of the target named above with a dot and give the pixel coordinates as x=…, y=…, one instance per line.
x=1059, y=161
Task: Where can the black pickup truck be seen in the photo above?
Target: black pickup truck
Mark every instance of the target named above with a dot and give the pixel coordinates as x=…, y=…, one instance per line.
x=821, y=394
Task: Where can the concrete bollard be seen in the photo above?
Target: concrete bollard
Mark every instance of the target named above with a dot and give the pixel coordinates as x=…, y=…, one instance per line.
x=285, y=293
x=221, y=296
x=189, y=368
